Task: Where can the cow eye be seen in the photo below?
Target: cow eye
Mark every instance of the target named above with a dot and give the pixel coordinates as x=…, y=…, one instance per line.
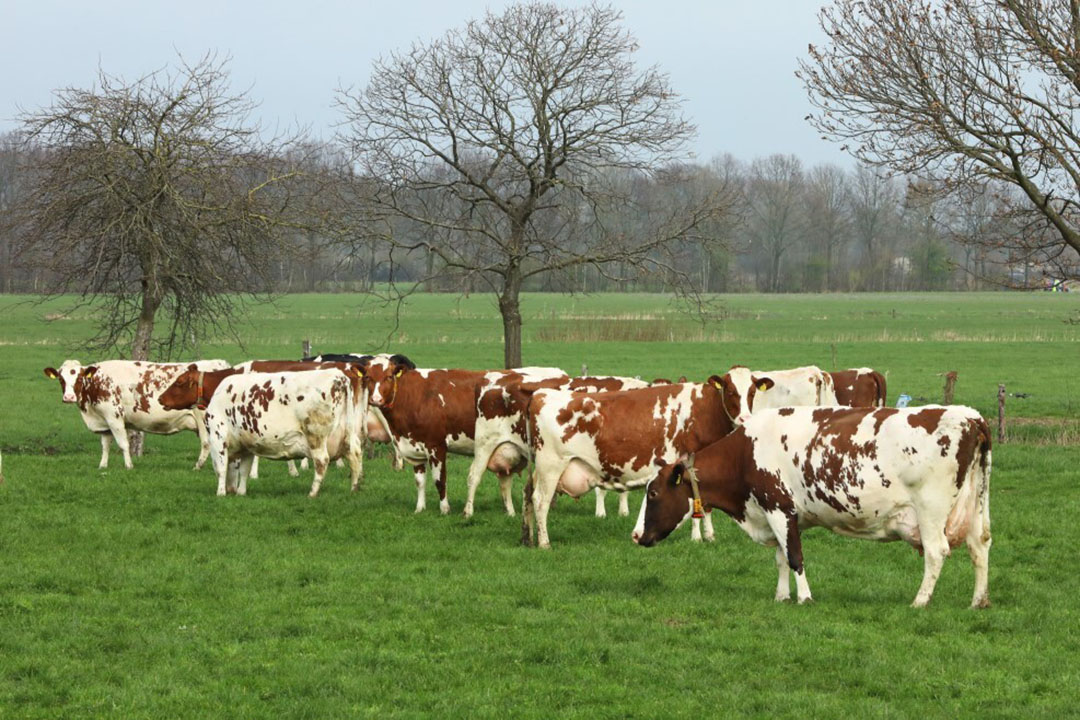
x=652, y=494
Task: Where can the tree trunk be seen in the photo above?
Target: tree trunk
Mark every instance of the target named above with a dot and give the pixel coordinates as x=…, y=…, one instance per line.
x=140, y=350
x=510, y=309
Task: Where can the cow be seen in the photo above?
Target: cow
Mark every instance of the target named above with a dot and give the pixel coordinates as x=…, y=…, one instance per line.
x=117, y=395
x=195, y=388
x=284, y=415
x=859, y=387
x=501, y=445
x=617, y=440
x=429, y=413
x=808, y=385
x=921, y=475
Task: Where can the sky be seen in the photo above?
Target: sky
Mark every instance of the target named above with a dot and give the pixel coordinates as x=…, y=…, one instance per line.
x=732, y=61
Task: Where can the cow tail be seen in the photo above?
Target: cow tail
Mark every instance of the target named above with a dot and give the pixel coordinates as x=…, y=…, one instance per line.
x=879, y=380
x=982, y=477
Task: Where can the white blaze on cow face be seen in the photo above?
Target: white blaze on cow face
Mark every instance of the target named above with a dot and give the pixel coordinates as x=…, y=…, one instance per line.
x=68, y=375
x=740, y=386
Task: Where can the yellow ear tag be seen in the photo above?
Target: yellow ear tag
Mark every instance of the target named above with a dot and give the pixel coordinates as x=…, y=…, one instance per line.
x=762, y=387
x=399, y=373
x=717, y=385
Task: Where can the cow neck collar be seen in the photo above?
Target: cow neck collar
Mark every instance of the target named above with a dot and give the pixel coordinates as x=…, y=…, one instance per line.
x=699, y=510
x=199, y=402
x=393, y=395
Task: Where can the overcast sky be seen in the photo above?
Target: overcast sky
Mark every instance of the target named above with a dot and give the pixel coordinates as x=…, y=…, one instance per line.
x=733, y=61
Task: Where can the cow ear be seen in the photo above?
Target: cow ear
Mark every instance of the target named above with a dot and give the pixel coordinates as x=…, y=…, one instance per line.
x=677, y=473
x=89, y=372
x=193, y=366
x=717, y=381
x=763, y=383
x=51, y=373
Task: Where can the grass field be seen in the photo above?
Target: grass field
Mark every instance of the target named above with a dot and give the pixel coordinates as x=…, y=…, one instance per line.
x=139, y=594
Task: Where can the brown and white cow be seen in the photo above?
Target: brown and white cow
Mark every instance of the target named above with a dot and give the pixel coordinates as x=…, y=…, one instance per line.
x=194, y=389
x=501, y=445
x=921, y=475
x=618, y=440
x=859, y=387
x=810, y=386
x=115, y=396
x=430, y=413
x=284, y=415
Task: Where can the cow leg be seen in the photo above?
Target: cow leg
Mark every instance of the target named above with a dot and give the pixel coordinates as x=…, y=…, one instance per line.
x=243, y=471
x=231, y=475
x=978, y=543
x=783, y=582
x=356, y=466
x=321, y=460
x=106, y=440
x=254, y=468
x=785, y=527
x=528, y=519
x=481, y=456
x=291, y=464
x=340, y=462
x=506, y=489
x=932, y=521
x=438, y=473
x=119, y=433
x=220, y=460
x=710, y=532
x=420, y=473
x=204, y=439
x=624, y=503
x=546, y=485
x=303, y=465
x=601, y=508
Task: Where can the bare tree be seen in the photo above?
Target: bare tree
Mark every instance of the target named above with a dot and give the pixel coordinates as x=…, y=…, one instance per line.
x=774, y=189
x=522, y=119
x=153, y=197
x=828, y=219
x=961, y=91
x=874, y=203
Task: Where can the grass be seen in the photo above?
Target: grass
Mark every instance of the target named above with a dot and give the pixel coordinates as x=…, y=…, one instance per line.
x=140, y=594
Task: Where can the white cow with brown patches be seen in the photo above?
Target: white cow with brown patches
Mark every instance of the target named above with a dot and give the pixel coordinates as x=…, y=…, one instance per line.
x=617, y=440
x=116, y=396
x=921, y=475
x=501, y=443
x=282, y=416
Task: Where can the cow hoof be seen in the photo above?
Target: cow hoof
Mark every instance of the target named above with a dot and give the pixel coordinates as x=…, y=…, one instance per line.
x=806, y=601
x=444, y=508
x=920, y=603
x=981, y=603
x=782, y=598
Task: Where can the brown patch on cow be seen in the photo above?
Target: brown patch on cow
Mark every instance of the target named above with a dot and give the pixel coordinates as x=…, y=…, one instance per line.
x=94, y=389
x=928, y=419
x=881, y=416
x=944, y=442
x=785, y=411
x=856, y=389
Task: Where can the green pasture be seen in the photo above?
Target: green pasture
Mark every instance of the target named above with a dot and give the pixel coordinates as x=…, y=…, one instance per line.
x=139, y=594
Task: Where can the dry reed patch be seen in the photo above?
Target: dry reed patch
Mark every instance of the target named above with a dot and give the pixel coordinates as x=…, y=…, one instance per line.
x=1043, y=430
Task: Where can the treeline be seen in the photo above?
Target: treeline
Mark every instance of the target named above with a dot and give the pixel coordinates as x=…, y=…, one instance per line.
x=789, y=228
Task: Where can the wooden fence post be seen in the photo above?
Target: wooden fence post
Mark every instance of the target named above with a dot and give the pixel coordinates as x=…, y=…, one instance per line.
x=1001, y=414
x=584, y=370
x=307, y=349
x=833, y=356
x=950, y=386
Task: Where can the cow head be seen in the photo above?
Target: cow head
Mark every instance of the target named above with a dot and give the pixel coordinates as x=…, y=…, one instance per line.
x=668, y=502
x=381, y=378
x=71, y=375
x=185, y=391
x=738, y=387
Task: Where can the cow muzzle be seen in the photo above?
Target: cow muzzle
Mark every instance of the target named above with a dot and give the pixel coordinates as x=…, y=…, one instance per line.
x=69, y=398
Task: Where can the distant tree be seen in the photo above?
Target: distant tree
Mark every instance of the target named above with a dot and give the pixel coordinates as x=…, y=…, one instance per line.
x=153, y=197
x=875, y=201
x=828, y=218
x=774, y=188
x=507, y=133
x=964, y=92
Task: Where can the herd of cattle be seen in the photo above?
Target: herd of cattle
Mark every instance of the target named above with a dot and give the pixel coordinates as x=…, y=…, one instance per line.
x=777, y=451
